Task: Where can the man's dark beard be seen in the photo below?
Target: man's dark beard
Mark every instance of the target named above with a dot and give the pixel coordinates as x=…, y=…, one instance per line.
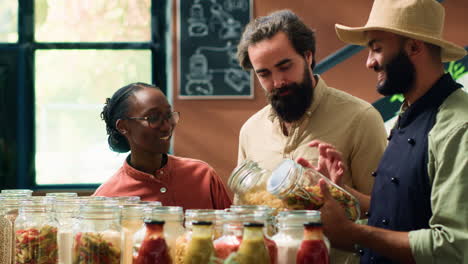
x=291, y=107
x=400, y=74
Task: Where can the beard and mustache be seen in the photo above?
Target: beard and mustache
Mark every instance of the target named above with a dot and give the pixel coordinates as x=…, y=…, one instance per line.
x=400, y=74
x=291, y=107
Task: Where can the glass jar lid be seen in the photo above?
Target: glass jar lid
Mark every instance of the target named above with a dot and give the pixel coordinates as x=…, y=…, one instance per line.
x=284, y=177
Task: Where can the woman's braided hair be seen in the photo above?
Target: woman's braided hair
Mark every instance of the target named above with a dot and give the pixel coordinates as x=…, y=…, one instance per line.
x=116, y=108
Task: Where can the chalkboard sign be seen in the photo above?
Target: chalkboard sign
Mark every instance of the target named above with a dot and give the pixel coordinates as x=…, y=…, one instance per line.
x=209, y=31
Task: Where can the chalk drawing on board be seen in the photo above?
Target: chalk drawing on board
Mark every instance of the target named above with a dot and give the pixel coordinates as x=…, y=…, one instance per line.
x=229, y=27
x=197, y=26
x=200, y=75
x=233, y=5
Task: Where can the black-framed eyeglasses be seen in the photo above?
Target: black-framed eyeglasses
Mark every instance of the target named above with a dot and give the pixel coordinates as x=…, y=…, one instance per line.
x=156, y=121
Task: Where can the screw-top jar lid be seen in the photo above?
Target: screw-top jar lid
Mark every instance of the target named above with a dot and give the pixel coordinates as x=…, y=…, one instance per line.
x=284, y=177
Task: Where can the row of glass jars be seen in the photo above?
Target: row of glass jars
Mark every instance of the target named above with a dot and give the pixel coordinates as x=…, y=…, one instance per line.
x=111, y=230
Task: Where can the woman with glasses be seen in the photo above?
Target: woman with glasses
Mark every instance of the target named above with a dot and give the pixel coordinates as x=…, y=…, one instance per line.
x=139, y=119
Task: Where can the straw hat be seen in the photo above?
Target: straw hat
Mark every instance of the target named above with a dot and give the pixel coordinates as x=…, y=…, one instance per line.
x=417, y=19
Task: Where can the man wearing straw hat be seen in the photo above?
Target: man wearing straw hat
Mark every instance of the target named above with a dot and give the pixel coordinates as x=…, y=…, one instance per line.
x=419, y=210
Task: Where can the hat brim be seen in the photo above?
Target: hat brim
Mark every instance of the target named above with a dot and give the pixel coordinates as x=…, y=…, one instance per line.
x=356, y=36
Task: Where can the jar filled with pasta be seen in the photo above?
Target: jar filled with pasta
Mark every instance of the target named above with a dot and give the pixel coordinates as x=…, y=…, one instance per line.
x=298, y=187
x=35, y=233
x=97, y=235
x=248, y=181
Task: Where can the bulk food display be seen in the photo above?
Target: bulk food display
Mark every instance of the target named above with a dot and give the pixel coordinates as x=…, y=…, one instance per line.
x=66, y=229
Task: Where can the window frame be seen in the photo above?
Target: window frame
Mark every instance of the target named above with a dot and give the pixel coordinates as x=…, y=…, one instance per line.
x=26, y=47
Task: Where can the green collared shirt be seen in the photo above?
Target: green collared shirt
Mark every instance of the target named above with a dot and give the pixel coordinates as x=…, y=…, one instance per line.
x=446, y=241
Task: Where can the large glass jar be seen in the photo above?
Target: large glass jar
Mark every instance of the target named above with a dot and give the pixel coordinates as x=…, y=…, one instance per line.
x=35, y=233
x=97, y=235
x=248, y=181
x=66, y=211
x=299, y=188
x=131, y=220
x=291, y=232
x=194, y=215
x=173, y=216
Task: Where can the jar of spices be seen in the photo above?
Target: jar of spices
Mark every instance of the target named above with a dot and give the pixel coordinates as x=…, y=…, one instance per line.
x=35, y=233
x=299, y=189
x=248, y=181
x=97, y=235
x=291, y=232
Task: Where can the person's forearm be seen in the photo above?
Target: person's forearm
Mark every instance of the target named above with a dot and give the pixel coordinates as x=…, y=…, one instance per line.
x=364, y=200
x=392, y=244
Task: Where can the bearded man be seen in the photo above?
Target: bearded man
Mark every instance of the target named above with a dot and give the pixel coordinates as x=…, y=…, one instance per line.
x=280, y=48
